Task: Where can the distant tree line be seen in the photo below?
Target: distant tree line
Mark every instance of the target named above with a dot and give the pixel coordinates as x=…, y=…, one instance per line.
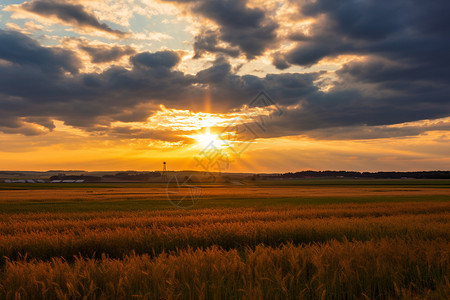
x=134, y=176
x=351, y=174
x=86, y=178
x=125, y=176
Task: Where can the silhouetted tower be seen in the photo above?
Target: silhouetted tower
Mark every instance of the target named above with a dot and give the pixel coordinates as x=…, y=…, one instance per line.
x=164, y=172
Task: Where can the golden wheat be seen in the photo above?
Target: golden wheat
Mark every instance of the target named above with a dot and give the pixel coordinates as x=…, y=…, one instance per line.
x=388, y=268
x=337, y=251
x=153, y=238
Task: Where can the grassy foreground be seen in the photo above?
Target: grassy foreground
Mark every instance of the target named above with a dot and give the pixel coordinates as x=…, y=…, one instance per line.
x=381, y=269
x=259, y=243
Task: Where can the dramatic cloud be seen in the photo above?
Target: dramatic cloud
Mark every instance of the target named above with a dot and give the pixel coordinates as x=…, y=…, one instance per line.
x=104, y=54
x=249, y=29
x=343, y=70
x=72, y=14
x=404, y=76
x=384, y=131
x=207, y=42
x=34, y=83
x=160, y=60
x=404, y=30
x=36, y=88
x=401, y=74
x=26, y=52
x=280, y=62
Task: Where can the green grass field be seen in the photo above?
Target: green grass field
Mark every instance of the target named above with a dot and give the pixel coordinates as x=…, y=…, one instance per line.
x=160, y=202
x=308, y=239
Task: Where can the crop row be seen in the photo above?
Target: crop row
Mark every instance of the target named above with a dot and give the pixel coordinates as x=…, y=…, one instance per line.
x=384, y=269
x=60, y=222
x=120, y=241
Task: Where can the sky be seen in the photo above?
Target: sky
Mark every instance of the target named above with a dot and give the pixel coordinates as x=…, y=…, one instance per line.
x=225, y=85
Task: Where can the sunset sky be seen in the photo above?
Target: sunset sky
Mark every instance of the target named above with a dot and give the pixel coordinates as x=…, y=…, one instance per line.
x=358, y=85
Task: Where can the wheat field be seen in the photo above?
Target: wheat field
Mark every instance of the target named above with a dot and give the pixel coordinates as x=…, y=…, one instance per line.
x=383, y=243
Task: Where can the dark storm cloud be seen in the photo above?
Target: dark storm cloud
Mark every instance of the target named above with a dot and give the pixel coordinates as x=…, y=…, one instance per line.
x=367, y=20
x=406, y=30
x=328, y=115
x=162, y=59
x=43, y=121
x=387, y=73
x=92, y=101
x=364, y=132
x=103, y=54
x=207, y=42
x=396, y=94
x=280, y=62
x=229, y=90
x=73, y=14
x=40, y=84
x=34, y=83
x=25, y=126
x=249, y=29
x=22, y=50
x=218, y=72
x=403, y=78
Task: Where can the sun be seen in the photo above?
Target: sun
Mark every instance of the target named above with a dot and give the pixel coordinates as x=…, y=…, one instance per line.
x=209, y=139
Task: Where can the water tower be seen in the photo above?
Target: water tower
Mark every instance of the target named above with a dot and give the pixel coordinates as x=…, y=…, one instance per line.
x=164, y=172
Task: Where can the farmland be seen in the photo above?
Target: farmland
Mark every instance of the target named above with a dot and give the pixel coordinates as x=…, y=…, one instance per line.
x=342, y=239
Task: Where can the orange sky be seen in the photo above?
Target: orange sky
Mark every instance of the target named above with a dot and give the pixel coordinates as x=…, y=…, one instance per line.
x=240, y=86
x=68, y=148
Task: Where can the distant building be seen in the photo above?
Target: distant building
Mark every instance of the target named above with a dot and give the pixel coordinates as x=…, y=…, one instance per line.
x=24, y=181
